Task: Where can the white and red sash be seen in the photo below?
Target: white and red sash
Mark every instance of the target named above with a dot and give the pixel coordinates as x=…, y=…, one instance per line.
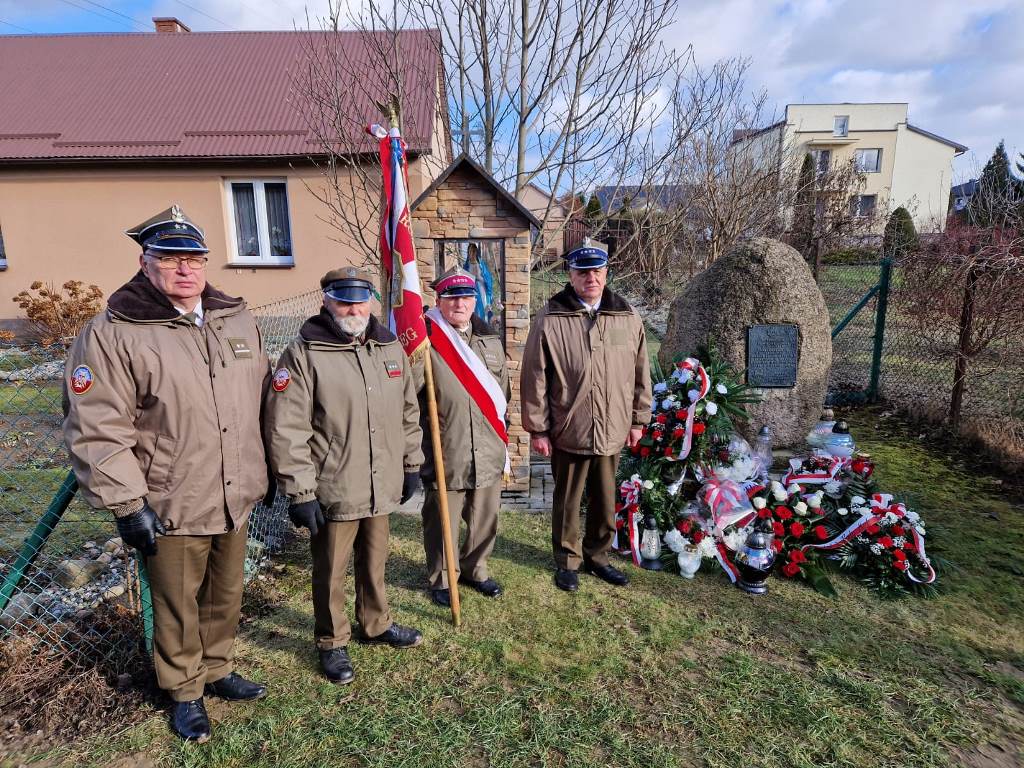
x=471, y=373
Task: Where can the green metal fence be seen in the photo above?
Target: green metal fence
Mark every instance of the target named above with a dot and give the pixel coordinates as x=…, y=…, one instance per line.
x=64, y=573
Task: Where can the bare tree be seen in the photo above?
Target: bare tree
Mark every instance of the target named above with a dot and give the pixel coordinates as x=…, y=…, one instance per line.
x=740, y=188
x=563, y=93
x=963, y=292
x=357, y=69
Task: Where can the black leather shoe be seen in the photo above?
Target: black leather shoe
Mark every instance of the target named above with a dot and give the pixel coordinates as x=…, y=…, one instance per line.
x=190, y=722
x=441, y=597
x=396, y=636
x=337, y=666
x=234, y=687
x=567, y=580
x=488, y=587
x=608, y=573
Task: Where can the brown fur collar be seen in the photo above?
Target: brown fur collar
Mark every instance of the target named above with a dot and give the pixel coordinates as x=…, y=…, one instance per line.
x=566, y=302
x=322, y=328
x=138, y=300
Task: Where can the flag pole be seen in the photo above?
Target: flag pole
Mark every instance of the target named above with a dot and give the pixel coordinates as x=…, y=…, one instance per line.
x=442, y=489
x=392, y=110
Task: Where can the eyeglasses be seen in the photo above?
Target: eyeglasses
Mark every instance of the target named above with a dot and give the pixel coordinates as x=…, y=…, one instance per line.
x=174, y=262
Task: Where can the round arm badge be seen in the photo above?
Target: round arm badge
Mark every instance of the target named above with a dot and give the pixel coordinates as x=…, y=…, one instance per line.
x=81, y=379
x=281, y=380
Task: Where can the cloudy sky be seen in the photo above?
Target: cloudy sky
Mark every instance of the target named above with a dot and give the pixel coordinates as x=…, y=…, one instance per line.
x=958, y=63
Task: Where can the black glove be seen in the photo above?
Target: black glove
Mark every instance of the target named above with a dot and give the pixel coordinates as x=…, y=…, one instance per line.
x=410, y=485
x=139, y=530
x=271, y=495
x=308, y=514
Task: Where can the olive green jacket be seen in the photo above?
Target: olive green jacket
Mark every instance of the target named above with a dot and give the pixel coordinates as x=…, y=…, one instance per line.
x=342, y=421
x=157, y=407
x=586, y=381
x=474, y=455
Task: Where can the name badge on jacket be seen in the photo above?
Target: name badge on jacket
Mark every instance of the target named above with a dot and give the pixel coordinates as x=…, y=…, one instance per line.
x=240, y=348
x=394, y=369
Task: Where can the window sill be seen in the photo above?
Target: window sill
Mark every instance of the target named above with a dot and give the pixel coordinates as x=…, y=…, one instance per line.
x=259, y=265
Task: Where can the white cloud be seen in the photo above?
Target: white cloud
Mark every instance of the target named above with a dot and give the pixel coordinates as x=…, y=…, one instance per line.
x=957, y=63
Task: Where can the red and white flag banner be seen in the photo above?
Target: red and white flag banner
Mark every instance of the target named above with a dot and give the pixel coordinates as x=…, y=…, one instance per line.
x=397, y=251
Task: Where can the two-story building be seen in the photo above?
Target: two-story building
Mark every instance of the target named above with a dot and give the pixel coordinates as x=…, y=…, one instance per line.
x=903, y=164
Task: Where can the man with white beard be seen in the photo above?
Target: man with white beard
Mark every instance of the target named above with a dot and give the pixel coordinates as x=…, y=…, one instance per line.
x=342, y=422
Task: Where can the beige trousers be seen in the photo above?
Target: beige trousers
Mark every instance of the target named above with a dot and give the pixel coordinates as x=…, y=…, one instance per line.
x=196, y=587
x=575, y=474
x=331, y=548
x=479, y=508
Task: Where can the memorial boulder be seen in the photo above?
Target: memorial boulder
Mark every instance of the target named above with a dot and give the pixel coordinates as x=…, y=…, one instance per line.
x=762, y=310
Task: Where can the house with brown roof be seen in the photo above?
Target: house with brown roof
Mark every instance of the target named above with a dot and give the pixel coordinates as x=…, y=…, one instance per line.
x=100, y=131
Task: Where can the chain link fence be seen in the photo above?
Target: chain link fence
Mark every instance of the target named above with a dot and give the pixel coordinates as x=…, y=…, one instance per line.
x=68, y=583
x=908, y=373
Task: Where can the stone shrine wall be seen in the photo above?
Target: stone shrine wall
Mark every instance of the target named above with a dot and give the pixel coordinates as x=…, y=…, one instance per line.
x=466, y=206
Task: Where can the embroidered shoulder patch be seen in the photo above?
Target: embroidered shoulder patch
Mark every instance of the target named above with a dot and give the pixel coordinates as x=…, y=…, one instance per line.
x=393, y=368
x=81, y=379
x=281, y=380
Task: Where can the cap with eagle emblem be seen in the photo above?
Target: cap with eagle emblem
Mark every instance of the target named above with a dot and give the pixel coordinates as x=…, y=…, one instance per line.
x=455, y=282
x=169, y=231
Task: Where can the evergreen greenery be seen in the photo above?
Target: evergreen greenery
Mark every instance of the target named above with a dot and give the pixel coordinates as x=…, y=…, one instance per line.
x=900, y=235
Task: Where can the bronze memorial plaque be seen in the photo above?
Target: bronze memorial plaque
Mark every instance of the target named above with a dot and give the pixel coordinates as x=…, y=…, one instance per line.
x=772, y=352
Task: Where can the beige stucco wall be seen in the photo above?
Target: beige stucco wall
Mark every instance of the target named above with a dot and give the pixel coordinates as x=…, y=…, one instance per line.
x=68, y=224
x=552, y=240
x=821, y=117
x=916, y=170
x=922, y=179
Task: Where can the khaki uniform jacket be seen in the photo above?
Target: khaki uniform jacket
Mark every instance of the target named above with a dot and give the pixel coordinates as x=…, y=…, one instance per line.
x=342, y=421
x=474, y=455
x=586, y=381
x=172, y=412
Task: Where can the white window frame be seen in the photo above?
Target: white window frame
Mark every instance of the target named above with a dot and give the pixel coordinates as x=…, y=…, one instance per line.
x=3, y=251
x=820, y=169
x=857, y=154
x=858, y=212
x=846, y=125
x=266, y=257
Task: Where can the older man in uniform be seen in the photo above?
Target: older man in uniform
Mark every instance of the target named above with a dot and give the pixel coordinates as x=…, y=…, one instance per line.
x=474, y=452
x=162, y=399
x=586, y=389
x=343, y=431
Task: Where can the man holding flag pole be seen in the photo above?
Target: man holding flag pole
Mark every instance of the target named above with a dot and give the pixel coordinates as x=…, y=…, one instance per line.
x=472, y=390
x=399, y=273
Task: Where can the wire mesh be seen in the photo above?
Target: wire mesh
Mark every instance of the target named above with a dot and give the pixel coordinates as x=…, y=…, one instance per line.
x=843, y=286
x=915, y=376
x=64, y=571
x=81, y=572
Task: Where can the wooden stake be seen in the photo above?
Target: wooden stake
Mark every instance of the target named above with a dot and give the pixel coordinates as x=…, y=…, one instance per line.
x=442, y=489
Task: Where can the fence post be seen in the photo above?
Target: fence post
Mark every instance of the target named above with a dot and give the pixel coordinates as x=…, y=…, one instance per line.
x=879, y=341
x=36, y=540
x=963, y=346
x=146, y=601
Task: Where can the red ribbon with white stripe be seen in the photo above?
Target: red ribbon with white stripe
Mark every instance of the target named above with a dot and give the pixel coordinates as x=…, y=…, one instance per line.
x=818, y=477
x=881, y=504
x=692, y=365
